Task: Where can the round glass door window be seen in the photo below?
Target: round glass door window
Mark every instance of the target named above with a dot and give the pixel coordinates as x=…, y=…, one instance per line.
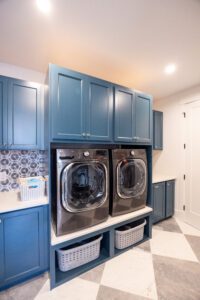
x=84, y=186
x=131, y=178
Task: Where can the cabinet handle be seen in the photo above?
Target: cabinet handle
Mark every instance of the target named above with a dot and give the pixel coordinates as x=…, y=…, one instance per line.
x=0, y=221
x=83, y=134
x=88, y=134
x=156, y=186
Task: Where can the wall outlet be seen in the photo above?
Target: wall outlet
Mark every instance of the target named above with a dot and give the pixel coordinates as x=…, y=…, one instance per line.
x=3, y=176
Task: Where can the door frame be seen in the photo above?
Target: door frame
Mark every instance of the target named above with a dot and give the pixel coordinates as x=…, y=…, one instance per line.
x=186, y=201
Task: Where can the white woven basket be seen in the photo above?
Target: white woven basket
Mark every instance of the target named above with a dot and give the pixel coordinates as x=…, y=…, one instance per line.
x=32, y=192
x=126, y=238
x=78, y=256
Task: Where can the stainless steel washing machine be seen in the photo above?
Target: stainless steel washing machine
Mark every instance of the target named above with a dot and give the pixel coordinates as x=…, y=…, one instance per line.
x=129, y=180
x=82, y=189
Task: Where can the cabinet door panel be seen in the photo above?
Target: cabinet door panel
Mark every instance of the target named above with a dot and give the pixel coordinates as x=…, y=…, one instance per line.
x=143, y=119
x=124, y=100
x=23, y=244
x=100, y=110
x=157, y=130
x=1, y=250
x=23, y=115
x=169, y=196
x=68, y=106
x=3, y=113
x=158, y=201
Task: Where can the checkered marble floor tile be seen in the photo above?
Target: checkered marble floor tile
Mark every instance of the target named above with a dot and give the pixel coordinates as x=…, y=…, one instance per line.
x=165, y=268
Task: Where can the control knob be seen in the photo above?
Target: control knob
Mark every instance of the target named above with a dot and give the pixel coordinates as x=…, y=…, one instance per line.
x=132, y=152
x=86, y=153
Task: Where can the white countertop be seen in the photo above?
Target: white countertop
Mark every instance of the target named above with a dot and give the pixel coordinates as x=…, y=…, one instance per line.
x=10, y=201
x=111, y=221
x=160, y=178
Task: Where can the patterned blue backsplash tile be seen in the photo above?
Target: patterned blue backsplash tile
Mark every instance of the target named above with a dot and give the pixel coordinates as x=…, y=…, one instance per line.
x=22, y=163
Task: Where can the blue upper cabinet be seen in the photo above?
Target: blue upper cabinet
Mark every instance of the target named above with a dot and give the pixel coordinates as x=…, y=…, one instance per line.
x=24, y=115
x=88, y=109
x=133, y=116
x=143, y=118
x=68, y=105
x=81, y=106
x=21, y=110
x=99, y=110
x=124, y=114
x=3, y=112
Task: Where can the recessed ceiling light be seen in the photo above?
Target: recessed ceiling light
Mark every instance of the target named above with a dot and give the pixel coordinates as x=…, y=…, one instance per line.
x=44, y=6
x=169, y=69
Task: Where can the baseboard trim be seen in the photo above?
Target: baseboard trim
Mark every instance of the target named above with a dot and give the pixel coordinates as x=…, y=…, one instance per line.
x=180, y=214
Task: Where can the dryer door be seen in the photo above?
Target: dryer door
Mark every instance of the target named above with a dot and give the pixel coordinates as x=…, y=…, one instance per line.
x=84, y=186
x=131, y=178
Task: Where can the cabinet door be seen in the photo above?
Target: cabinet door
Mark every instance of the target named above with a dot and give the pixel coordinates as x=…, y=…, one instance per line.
x=157, y=130
x=124, y=114
x=24, y=235
x=158, y=201
x=143, y=118
x=169, y=197
x=1, y=250
x=23, y=115
x=3, y=112
x=68, y=104
x=99, y=110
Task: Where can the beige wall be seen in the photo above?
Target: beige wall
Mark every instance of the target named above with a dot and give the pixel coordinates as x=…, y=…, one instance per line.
x=21, y=73
x=171, y=160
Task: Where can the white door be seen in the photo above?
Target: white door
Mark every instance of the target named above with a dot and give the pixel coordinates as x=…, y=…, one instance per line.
x=192, y=183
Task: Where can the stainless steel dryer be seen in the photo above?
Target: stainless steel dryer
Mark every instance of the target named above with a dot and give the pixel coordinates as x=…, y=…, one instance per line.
x=129, y=180
x=82, y=189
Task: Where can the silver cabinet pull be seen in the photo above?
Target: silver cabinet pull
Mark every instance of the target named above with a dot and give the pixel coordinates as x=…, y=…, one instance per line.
x=83, y=134
x=0, y=221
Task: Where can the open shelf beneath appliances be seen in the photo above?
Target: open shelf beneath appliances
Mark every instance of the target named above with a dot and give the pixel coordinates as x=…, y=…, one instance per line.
x=107, y=247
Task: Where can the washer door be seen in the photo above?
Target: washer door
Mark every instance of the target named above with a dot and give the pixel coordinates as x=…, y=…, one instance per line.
x=131, y=178
x=84, y=186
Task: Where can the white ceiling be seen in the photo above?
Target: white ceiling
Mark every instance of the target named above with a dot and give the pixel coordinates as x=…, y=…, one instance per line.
x=125, y=41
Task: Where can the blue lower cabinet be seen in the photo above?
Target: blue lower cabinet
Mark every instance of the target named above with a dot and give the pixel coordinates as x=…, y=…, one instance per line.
x=23, y=245
x=158, y=201
x=163, y=200
x=169, y=197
